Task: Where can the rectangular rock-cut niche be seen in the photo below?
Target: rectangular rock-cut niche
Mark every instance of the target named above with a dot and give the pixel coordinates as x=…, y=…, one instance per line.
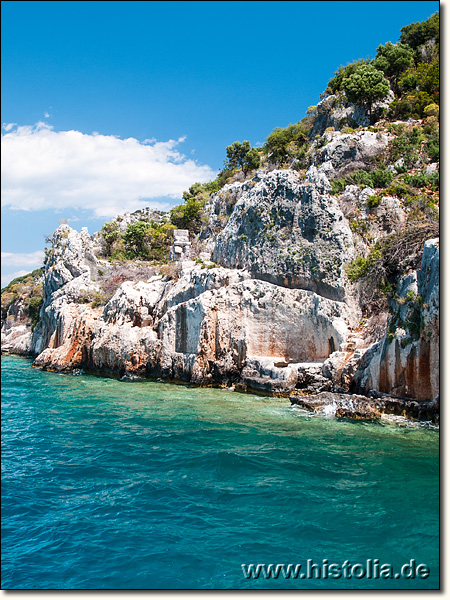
x=189, y=319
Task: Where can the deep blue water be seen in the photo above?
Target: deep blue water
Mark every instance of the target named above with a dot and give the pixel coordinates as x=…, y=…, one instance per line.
x=110, y=484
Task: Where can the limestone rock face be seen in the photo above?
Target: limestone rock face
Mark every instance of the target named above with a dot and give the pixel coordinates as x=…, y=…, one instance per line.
x=208, y=327
x=278, y=315
x=67, y=280
x=16, y=332
x=17, y=321
x=331, y=113
x=221, y=205
x=16, y=339
x=405, y=362
x=348, y=152
x=289, y=232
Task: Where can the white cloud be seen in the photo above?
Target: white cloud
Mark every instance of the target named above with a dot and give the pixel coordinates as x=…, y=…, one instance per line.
x=19, y=259
x=8, y=126
x=42, y=168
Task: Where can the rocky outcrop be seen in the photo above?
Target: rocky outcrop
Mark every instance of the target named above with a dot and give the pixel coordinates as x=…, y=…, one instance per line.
x=347, y=152
x=214, y=326
x=334, y=111
x=366, y=408
x=405, y=362
x=16, y=339
x=289, y=232
x=21, y=301
x=68, y=281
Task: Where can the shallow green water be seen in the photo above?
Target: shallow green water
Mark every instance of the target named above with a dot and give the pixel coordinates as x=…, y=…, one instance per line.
x=110, y=484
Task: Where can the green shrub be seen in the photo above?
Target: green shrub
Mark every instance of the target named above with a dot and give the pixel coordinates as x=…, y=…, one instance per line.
x=416, y=34
x=189, y=215
x=33, y=307
x=398, y=189
x=365, y=86
x=360, y=226
x=99, y=299
x=373, y=201
x=243, y=156
x=421, y=180
x=406, y=145
x=337, y=186
x=393, y=59
x=360, y=266
x=287, y=142
x=380, y=178
x=389, y=259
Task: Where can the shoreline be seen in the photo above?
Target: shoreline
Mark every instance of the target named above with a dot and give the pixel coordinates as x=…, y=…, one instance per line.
x=335, y=404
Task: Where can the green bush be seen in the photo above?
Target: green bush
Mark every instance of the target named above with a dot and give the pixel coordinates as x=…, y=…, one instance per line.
x=421, y=180
x=335, y=83
x=99, y=299
x=189, y=215
x=399, y=189
x=142, y=239
x=287, y=142
x=337, y=186
x=393, y=60
x=33, y=307
x=137, y=238
x=360, y=266
x=374, y=201
x=406, y=144
x=380, y=178
x=243, y=156
x=110, y=234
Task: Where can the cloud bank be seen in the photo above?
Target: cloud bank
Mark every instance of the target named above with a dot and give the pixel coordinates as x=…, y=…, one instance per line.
x=42, y=169
x=19, y=259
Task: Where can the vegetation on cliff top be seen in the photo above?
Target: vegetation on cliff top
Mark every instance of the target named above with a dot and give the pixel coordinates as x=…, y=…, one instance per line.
x=27, y=288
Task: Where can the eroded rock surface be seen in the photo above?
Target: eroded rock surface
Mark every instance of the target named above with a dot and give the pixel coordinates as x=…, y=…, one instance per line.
x=359, y=407
x=405, y=362
x=275, y=311
x=289, y=232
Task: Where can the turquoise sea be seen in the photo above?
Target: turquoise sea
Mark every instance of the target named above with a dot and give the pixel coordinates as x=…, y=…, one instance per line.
x=131, y=485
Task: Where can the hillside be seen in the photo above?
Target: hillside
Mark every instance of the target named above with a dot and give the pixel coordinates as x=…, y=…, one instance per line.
x=312, y=263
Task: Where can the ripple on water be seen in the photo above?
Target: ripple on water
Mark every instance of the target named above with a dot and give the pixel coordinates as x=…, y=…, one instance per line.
x=109, y=484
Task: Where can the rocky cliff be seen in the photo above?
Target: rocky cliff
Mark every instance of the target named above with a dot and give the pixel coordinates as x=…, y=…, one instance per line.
x=275, y=312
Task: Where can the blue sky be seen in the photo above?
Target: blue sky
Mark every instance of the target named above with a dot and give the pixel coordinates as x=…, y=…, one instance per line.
x=111, y=106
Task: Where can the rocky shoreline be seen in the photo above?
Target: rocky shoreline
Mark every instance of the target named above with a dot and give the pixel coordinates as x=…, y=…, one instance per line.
x=261, y=300
x=354, y=406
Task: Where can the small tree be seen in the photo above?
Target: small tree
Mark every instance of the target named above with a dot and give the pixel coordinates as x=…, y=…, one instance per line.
x=393, y=60
x=136, y=238
x=280, y=141
x=110, y=233
x=335, y=83
x=365, y=86
x=188, y=215
x=241, y=155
